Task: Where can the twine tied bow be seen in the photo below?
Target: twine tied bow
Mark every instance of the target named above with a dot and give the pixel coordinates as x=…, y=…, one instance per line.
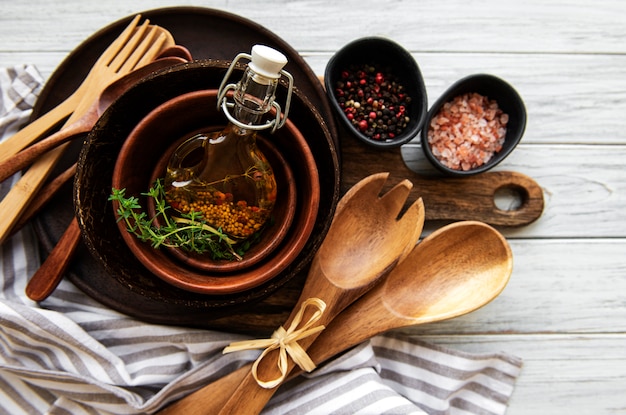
x=287, y=343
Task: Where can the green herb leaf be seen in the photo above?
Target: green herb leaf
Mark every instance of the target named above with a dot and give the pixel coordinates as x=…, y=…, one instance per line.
x=188, y=232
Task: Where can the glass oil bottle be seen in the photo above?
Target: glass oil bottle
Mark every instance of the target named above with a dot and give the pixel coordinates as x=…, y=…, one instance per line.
x=233, y=185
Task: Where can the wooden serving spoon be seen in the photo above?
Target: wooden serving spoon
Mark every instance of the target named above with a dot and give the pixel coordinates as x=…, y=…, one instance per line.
x=455, y=270
x=365, y=240
x=47, y=277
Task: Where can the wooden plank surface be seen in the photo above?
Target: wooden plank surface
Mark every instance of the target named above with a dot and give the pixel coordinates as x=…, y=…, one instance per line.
x=564, y=311
x=562, y=374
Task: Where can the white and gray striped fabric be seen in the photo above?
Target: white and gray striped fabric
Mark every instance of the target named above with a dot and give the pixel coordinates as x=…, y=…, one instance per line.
x=72, y=355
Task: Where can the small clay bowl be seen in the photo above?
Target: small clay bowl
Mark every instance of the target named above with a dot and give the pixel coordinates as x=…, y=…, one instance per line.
x=282, y=215
x=134, y=171
x=384, y=53
x=494, y=88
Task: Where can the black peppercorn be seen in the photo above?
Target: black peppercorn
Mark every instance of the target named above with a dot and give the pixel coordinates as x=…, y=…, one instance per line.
x=373, y=100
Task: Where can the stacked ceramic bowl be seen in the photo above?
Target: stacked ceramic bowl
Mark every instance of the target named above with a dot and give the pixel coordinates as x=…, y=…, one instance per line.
x=129, y=148
x=143, y=159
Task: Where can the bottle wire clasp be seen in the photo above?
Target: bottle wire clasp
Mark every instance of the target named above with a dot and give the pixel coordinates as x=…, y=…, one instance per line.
x=222, y=100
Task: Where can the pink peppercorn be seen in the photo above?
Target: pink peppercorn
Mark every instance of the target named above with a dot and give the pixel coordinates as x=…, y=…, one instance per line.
x=373, y=101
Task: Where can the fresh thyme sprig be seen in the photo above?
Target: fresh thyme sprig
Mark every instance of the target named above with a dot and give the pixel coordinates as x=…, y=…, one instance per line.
x=188, y=232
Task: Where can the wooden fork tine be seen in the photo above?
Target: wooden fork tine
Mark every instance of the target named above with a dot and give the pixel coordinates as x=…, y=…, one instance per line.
x=143, y=49
x=44, y=123
x=395, y=198
x=154, y=51
x=128, y=47
x=119, y=43
x=413, y=216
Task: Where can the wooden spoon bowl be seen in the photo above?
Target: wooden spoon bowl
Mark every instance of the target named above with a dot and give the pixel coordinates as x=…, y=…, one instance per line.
x=455, y=270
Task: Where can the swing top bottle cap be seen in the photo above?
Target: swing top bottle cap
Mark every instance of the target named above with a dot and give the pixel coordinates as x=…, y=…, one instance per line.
x=267, y=62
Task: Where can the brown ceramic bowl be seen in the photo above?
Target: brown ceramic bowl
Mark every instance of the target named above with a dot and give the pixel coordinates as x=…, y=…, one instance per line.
x=143, y=151
x=123, y=282
x=171, y=122
x=282, y=215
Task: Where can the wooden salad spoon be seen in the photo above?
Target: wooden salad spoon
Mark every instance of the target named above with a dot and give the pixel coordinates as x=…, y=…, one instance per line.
x=365, y=240
x=47, y=277
x=455, y=270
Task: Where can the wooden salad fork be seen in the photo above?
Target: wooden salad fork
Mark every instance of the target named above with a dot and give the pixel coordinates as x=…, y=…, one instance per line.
x=212, y=397
x=84, y=124
x=367, y=237
x=168, y=56
x=135, y=47
x=44, y=123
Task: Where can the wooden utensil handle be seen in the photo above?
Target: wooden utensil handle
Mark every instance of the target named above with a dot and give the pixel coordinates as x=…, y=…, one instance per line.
x=44, y=196
x=473, y=198
x=48, y=276
x=24, y=191
x=37, y=128
x=19, y=197
x=445, y=198
x=209, y=399
x=26, y=157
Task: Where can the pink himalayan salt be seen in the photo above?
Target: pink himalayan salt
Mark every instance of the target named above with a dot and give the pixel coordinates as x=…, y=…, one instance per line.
x=467, y=131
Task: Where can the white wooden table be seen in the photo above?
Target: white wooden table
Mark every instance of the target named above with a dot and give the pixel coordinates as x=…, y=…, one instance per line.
x=564, y=311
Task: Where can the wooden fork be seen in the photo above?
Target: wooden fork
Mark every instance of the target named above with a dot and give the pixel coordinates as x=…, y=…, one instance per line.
x=31, y=132
x=367, y=237
x=135, y=47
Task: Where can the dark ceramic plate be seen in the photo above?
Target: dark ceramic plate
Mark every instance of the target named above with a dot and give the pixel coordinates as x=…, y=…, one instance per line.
x=206, y=33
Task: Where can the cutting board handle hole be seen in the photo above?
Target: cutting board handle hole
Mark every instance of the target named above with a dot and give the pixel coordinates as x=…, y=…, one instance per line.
x=510, y=198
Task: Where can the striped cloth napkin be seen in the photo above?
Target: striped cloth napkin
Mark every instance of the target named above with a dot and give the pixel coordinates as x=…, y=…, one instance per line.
x=72, y=355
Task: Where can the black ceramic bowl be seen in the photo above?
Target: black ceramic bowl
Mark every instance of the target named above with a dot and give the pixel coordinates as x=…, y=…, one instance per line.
x=508, y=101
x=383, y=53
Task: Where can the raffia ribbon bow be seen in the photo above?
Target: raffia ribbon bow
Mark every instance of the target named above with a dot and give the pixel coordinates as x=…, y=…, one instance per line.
x=287, y=342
